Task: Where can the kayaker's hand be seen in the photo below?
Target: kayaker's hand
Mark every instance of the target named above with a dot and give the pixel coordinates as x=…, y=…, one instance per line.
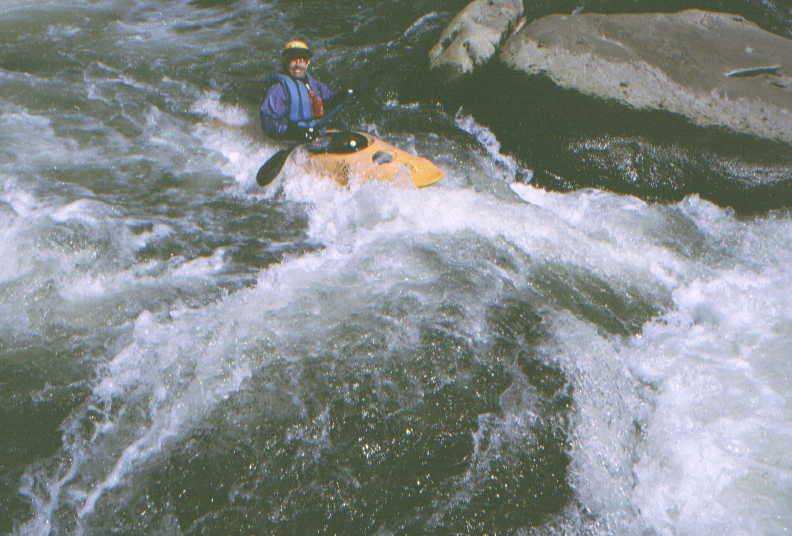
x=301, y=133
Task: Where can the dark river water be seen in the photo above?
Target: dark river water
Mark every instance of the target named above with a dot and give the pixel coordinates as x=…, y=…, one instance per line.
x=583, y=329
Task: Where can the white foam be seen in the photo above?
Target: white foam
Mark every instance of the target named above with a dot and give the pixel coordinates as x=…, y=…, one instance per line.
x=202, y=266
x=210, y=105
x=163, y=382
x=487, y=139
x=13, y=203
x=88, y=211
x=18, y=127
x=228, y=132
x=607, y=403
x=721, y=415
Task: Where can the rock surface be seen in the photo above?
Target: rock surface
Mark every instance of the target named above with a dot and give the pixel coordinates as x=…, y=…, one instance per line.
x=713, y=68
x=474, y=35
x=700, y=64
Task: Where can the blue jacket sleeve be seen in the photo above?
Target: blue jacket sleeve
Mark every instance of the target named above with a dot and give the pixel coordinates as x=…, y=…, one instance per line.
x=274, y=111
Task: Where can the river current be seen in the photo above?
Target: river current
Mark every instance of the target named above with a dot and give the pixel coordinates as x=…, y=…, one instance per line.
x=183, y=352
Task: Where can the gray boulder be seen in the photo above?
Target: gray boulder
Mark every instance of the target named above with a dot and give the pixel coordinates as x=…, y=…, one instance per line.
x=474, y=35
x=714, y=68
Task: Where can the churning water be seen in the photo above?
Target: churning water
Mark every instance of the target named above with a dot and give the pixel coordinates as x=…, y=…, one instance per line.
x=183, y=352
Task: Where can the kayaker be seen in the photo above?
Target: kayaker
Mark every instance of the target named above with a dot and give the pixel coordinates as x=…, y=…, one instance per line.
x=295, y=100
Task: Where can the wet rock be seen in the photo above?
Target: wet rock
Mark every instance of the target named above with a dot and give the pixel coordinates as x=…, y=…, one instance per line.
x=713, y=68
x=474, y=35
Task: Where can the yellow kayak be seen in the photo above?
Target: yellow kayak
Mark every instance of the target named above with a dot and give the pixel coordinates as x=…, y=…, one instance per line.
x=360, y=157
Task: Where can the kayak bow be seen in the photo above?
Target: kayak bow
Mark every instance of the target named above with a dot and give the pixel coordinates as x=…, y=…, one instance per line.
x=361, y=157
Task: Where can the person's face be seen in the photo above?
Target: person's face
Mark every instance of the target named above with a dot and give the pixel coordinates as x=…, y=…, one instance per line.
x=297, y=67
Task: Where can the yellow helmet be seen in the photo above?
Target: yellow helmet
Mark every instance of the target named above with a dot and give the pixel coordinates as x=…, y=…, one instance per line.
x=296, y=49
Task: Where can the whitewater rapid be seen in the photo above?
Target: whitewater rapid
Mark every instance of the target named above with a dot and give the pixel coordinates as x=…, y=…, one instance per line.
x=164, y=311
x=680, y=422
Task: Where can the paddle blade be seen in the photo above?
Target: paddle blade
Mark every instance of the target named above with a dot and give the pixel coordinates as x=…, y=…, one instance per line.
x=272, y=167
